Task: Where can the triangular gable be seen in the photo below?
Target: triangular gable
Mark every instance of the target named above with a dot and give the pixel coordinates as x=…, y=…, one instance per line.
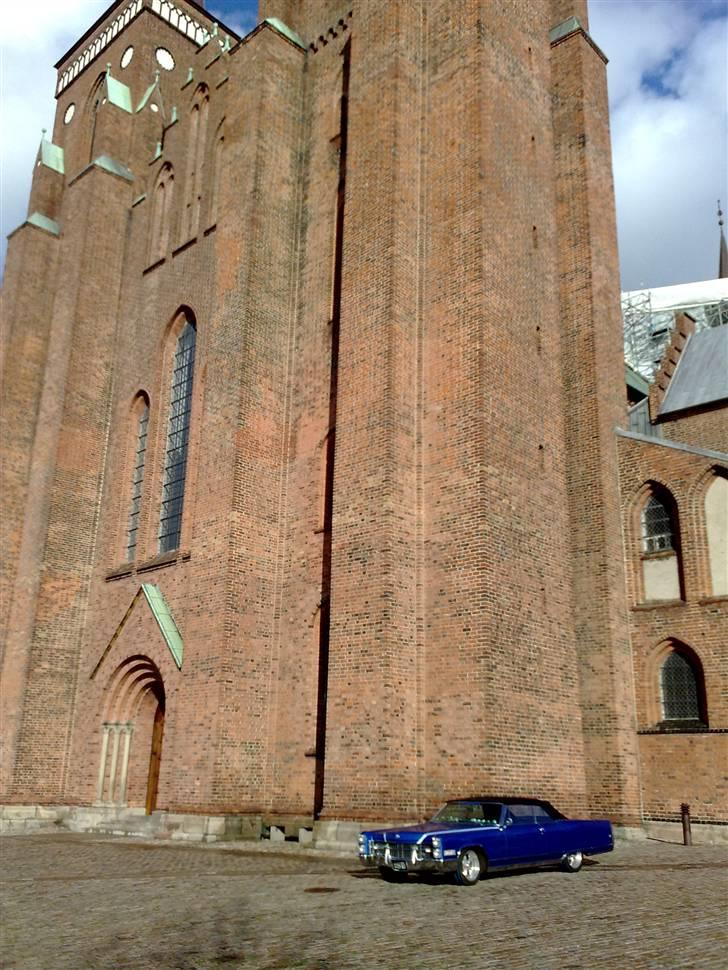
x=165, y=620
x=682, y=330
x=107, y=28
x=162, y=614
x=118, y=93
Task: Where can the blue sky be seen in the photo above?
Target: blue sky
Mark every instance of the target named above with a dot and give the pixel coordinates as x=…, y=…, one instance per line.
x=668, y=104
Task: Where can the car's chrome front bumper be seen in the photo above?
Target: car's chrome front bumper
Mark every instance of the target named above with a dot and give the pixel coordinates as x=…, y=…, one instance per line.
x=403, y=858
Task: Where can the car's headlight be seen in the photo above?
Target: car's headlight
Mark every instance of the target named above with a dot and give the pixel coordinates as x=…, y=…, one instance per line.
x=436, y=847
x=362, y=843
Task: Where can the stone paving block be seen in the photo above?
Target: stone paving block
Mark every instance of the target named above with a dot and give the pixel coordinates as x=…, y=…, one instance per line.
x=83, y=902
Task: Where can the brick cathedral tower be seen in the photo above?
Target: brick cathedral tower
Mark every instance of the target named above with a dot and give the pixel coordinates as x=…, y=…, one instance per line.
x=312, y=363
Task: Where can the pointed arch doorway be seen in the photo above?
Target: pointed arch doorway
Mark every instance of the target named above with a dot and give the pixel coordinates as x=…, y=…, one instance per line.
x=133, y=734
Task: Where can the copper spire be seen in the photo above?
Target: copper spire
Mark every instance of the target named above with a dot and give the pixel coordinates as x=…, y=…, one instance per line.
x=723, y=257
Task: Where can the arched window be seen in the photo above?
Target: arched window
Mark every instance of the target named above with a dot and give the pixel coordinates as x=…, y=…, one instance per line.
x=96, y=99
x=657, y=529
x=141, y=413
x=178, y=433
x=161, y=214
x=217, y=159
x=195, y=161
x=716, y=527
x=680, y=689
x=660, y=546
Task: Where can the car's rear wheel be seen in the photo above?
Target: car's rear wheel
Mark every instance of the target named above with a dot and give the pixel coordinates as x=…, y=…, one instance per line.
x=391, y=875
x=573, y=861
x=470, y=867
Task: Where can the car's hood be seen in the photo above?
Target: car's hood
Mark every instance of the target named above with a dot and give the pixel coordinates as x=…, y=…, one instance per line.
x=414, y=833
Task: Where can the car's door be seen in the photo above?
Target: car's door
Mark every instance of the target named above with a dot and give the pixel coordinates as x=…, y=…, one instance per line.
x=524, y=837
x=553, y=835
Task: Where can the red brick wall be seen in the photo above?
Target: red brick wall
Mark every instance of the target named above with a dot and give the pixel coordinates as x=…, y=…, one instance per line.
x=706, y=428
x=464, y=340
x=676, y=767
x=593, y=401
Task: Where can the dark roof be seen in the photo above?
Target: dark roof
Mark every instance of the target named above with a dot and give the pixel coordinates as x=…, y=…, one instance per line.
x=701, y=375
x=505, y=800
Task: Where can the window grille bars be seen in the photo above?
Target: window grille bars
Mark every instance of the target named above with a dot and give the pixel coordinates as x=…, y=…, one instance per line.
x=679, y=689
x=657, y=531
x=178, y=430
x=137, y=482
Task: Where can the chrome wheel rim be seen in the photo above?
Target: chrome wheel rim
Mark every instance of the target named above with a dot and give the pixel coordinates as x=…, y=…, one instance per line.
x=470, y=865
x=574, y=860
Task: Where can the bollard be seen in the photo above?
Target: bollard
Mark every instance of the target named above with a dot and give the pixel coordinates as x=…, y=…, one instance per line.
x=687, y=834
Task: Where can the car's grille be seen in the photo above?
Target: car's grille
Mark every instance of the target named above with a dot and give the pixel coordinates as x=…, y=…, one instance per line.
x=397, y=850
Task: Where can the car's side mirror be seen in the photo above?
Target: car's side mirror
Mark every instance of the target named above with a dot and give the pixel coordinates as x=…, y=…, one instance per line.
x=508, y=821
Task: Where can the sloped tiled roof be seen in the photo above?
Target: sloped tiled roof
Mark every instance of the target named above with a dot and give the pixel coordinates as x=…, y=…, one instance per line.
x=701, y=376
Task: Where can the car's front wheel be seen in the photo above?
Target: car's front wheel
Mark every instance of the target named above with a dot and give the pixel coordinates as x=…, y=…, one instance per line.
x=391, y=875
x=470, y=867
x=573, y=861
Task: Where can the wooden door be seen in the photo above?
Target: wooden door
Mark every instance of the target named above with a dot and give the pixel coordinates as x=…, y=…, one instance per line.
x=155, y=759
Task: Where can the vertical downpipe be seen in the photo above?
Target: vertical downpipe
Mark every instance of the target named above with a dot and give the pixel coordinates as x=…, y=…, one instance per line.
x=325, y=617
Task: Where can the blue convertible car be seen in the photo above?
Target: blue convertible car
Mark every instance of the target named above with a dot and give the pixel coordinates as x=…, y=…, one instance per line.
x=470, y=836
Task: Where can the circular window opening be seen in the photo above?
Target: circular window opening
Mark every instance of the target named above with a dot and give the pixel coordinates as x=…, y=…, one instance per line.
x=165, y=59
x=126, y=57
x=70, y=112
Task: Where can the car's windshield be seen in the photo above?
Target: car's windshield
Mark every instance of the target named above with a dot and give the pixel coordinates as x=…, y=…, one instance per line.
x=475, y=813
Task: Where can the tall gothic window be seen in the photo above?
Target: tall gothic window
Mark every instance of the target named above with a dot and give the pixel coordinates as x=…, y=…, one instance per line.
x=217, y=158
x=161, y=213
x=195, y=161
x=137, y=479
x=178, y=433
x=657, y=530
x=662, y=575
x=97, y=98
x=680, y=689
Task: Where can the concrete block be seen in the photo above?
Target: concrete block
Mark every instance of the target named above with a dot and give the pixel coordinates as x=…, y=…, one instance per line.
x=53, y=813
x=215, y=826
x=19, y=811
x=337, y=835
x=305, y=836
x=277, y=834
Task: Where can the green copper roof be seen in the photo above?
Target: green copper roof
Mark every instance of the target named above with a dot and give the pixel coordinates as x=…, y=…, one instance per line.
x=51, y=155
x=147, y=94
x=111, y=165
x=289, y=34
x=564, y=29
x=165, y=620
x=43, y=222
x=118, y=93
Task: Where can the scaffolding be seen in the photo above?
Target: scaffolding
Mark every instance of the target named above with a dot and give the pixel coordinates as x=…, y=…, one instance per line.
x=638, y=341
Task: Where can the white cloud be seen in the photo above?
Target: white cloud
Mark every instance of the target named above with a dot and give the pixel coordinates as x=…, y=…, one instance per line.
x=669, y=142
x=32, y=41
x=668, y=99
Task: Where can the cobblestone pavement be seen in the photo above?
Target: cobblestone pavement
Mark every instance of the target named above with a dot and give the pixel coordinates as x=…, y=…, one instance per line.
x=74, y=902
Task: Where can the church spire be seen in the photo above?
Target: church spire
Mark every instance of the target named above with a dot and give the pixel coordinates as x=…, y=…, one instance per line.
x=723, y=257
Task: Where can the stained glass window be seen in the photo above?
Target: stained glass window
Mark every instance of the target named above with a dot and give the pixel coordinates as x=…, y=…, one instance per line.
x=178, y=432
x=137, y=481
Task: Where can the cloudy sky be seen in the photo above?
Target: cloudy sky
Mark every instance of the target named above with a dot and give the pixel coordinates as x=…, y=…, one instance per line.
x=668, y=90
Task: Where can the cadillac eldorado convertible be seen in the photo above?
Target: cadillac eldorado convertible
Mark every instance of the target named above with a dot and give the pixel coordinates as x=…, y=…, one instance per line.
x=470, y=836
